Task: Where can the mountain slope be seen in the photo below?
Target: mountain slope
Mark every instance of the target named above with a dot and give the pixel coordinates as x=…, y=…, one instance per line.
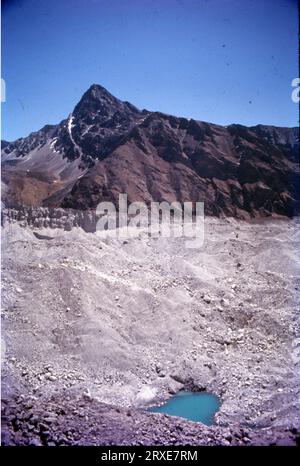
x=106, y=147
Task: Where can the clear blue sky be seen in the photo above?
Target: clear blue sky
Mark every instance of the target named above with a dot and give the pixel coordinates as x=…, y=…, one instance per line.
x=223, y=61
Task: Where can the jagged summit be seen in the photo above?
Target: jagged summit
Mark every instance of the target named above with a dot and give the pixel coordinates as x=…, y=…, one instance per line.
x=98, y=89
x=97, y=99
x=94, y=97
x=107, y=146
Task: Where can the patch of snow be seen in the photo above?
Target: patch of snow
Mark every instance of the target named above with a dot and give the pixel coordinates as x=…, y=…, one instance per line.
x=71, y=123
x=86, y=130
x=70, y=126
x=52, y=144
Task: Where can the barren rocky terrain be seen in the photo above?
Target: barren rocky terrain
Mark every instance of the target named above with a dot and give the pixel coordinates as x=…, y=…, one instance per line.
x=106, y=147
x=96, y=329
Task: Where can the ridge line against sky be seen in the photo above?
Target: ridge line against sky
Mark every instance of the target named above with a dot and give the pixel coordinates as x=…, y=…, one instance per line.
x=221, y=61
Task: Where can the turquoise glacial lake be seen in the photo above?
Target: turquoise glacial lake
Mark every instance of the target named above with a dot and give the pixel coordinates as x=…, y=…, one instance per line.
x=194, y=406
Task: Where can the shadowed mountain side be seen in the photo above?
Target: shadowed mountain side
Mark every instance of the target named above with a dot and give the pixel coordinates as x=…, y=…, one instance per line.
x=106, y=147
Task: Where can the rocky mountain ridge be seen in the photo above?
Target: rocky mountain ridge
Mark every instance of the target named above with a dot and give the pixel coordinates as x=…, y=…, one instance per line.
x=106, y=147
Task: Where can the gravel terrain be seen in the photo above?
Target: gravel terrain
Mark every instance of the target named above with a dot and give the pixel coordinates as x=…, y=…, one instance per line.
x=96, y=329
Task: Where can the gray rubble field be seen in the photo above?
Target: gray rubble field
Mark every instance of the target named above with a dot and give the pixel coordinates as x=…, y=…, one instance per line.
x=96, y=329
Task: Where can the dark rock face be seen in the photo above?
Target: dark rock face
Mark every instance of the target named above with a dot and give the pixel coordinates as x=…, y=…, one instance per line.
x=75, y=420
x=106, y=147
x=100, y=120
